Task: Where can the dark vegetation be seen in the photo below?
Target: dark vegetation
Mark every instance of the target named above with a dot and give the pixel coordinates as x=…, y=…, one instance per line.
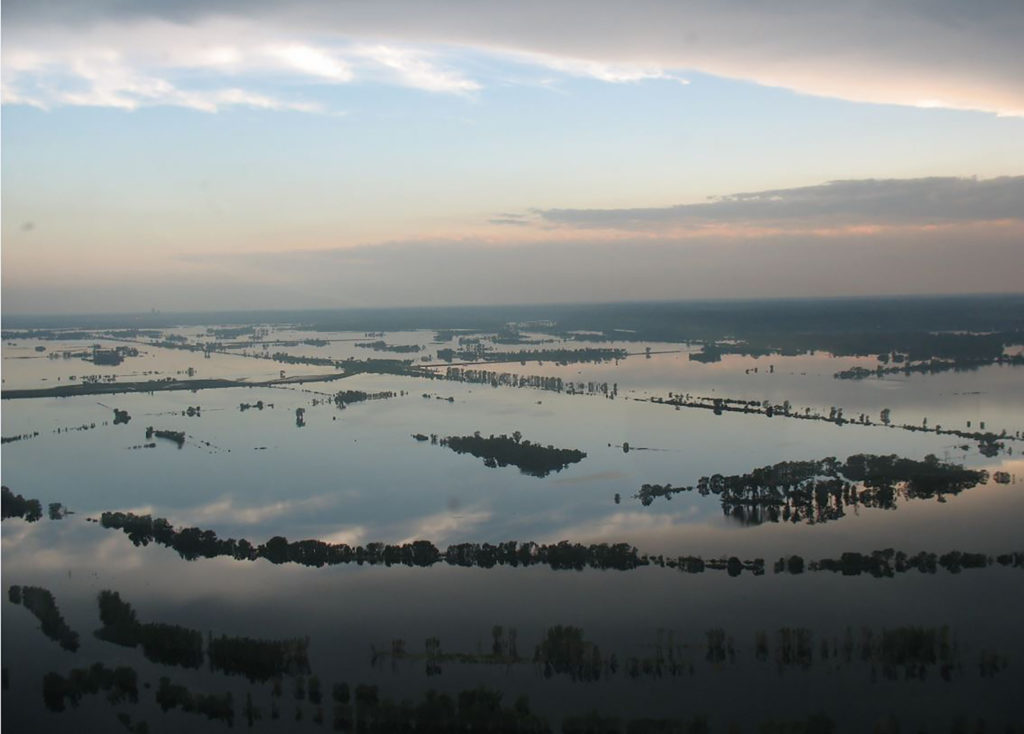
x=230, y=332
x=930, y=367
x=162, y=385
x=533, y=459
x=886, y=563
x=193, y=543
x=177, y=437
x=894, y=653
x=536, y=382
x=820, y=491
x=346, y=397
x=168, y=644
x=942, y=349
x=989, y=444
x=564, y=651
x=112, y=357
x=504, y=379
x=41, y=603
x=211, y=705
x=473, y=710
x=259, y=660
x=903, y=653
x=120, y=683
x=559, y=356
x=18, y=437
x=382, y=346
x=14, y=505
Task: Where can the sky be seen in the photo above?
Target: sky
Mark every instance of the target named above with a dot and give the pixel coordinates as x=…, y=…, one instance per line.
x=180, y=155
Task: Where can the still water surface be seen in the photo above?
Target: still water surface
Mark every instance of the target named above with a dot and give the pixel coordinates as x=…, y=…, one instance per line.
x=357, y=476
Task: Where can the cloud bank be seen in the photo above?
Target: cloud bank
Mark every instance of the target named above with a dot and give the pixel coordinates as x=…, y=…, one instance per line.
x=926, y=53
x=886, y=202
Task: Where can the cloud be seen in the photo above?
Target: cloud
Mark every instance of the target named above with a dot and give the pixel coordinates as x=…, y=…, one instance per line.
x=926, y=53
x=446, y=526
x=515, y=220
x=227, y=511
x=613, y=73
x=208, y=66
x=416, y=69
x=872, y=202
x=314, y=61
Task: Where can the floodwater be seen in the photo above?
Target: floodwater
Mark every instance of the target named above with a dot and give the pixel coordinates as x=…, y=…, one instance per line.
x=356, y=475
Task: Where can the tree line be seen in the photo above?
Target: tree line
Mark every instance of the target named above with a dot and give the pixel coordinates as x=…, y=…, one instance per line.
x=193, y=543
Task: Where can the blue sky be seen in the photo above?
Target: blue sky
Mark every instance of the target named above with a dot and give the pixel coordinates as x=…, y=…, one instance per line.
x=180, y=158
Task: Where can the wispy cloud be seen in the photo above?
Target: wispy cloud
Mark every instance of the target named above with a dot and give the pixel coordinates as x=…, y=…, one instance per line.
x=613, y=73
x=208, y=66
x=416, y=69
x=228, y=511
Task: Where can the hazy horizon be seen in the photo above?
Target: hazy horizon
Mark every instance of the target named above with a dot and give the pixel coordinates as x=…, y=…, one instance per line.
x=23, y=319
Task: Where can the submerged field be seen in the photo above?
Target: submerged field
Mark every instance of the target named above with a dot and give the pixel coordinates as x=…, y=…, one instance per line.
x=667, y=605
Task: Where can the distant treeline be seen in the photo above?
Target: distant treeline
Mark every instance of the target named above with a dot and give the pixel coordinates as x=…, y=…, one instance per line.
x=353, y=365
x=382, y=346
x=345, y=397
x=989, y=444
x=670, y=321
x=559, y=356
x=300, y=359
x=537, y=382
x=193, y=543
x=931, y=367
x=819, y=491
x=18, y=437
x=532, y=459
x=946, y=349
x=230, y=332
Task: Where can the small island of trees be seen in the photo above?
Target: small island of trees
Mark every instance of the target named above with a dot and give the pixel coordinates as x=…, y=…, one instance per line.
x=177, y=437
x=532, y=459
